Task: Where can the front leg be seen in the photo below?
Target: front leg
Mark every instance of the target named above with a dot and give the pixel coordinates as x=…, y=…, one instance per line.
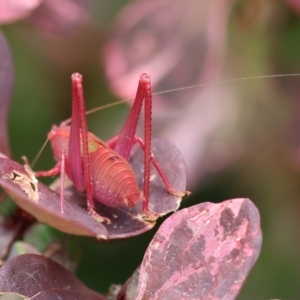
x=59, y=168
x=50, y=173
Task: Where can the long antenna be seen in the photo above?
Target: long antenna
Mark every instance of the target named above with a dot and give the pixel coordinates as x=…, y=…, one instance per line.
x=39, y=153
x=226, y=81
x=172, y=91
x=191, y=87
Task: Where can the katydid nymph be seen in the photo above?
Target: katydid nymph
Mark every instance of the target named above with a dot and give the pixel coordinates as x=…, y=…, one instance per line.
x=102, y=169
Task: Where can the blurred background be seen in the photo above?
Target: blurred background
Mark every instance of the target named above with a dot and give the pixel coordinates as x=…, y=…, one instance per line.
x=239, y=139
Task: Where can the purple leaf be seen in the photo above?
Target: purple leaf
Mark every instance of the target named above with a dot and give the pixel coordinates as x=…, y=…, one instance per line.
x=202, y=252
x=6, y=86
x=35, y=276
x=44, y=204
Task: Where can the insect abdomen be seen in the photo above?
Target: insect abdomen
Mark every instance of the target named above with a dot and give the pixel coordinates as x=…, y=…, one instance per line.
x=114, y=182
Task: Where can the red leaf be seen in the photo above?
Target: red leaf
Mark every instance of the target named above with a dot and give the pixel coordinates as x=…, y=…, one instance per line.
x=202, y=252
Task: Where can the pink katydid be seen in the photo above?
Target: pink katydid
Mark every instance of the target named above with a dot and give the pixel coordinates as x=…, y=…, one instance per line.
x=102, y=169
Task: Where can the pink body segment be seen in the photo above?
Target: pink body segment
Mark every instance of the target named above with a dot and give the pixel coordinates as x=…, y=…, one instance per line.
x=113, y=180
